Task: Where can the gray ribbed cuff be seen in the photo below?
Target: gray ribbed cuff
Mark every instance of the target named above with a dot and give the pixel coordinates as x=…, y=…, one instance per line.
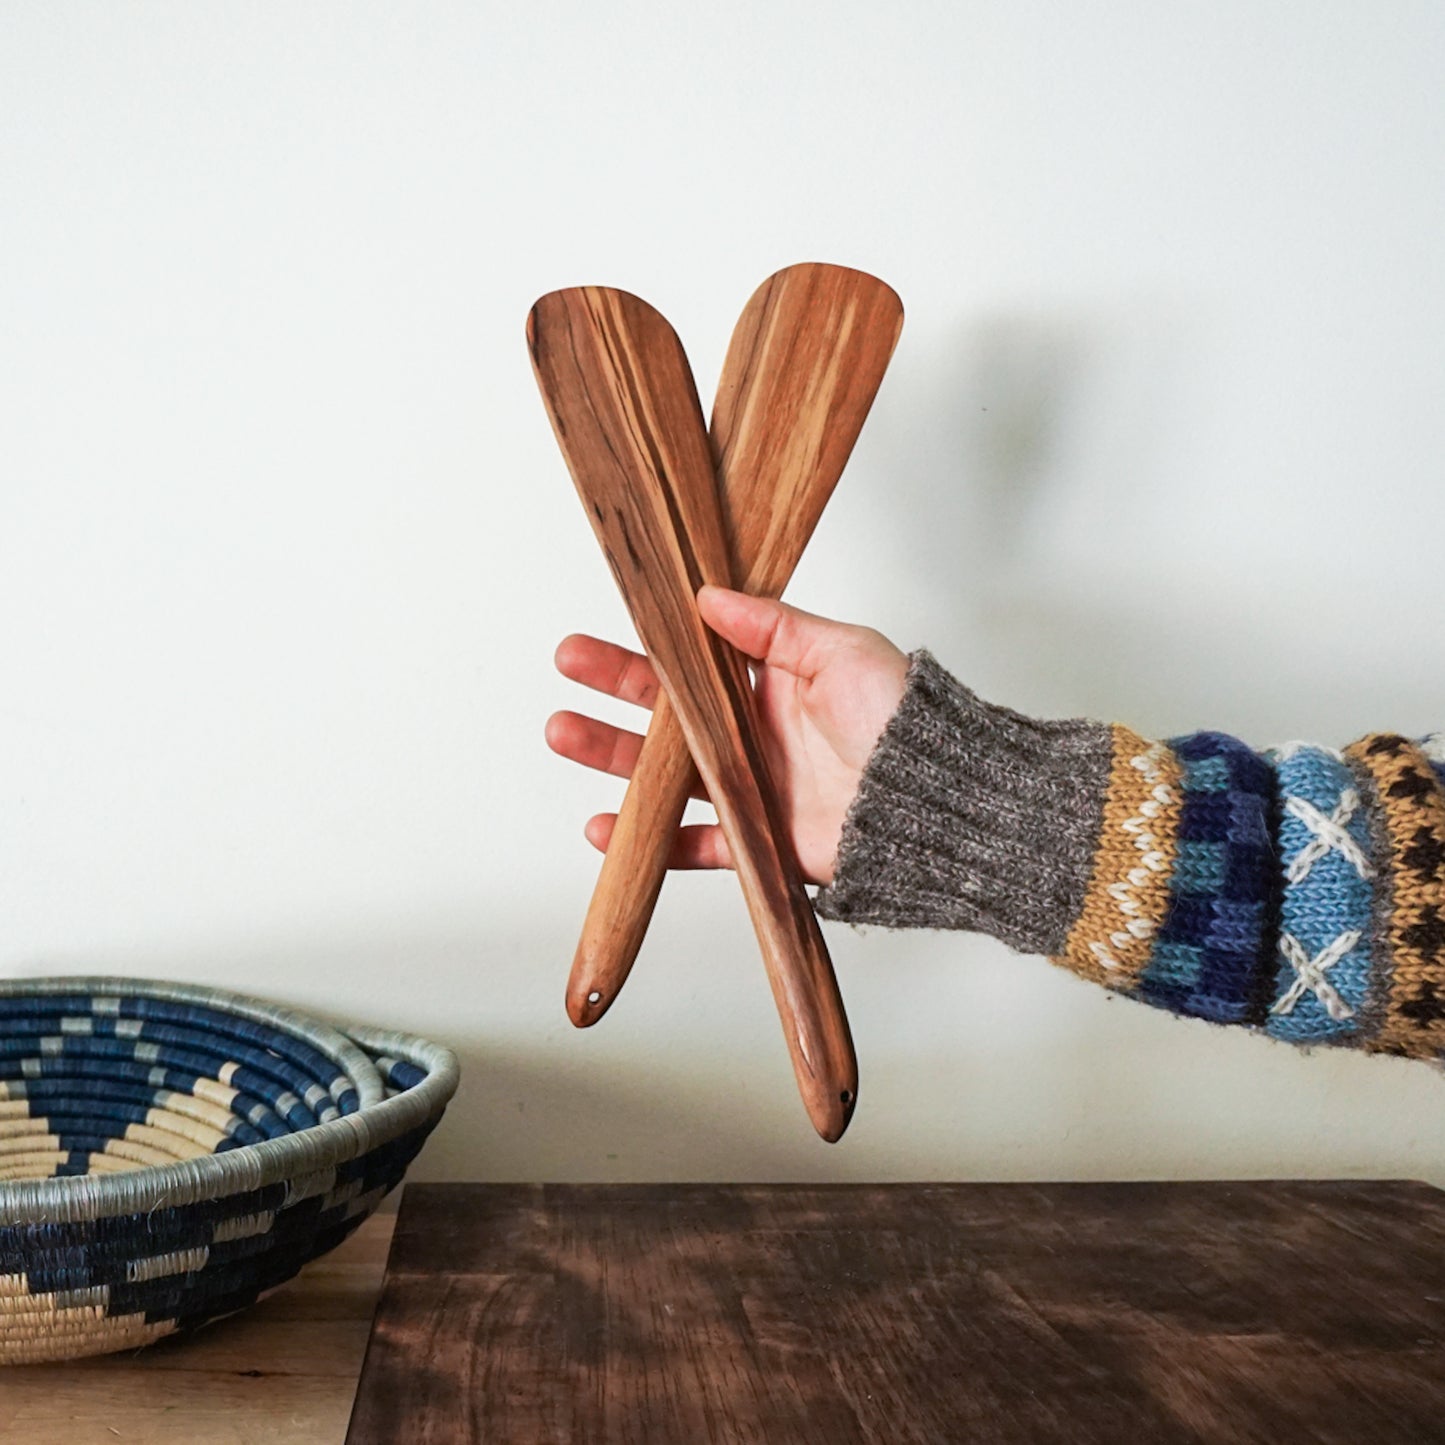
x=972, y=816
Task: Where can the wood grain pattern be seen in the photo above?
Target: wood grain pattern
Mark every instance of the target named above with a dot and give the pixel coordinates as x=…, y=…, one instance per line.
x=1093, y=1314
x=624, y=408
x=803, y=366
x=283, y=1372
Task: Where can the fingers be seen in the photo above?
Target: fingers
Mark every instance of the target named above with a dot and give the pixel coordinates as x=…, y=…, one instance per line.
x=698, y=845
x=772, y=632
x=606, y=667
x=593, y=743
x=599, y=745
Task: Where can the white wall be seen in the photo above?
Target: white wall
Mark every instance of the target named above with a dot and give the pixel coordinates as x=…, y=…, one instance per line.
x=287, y=543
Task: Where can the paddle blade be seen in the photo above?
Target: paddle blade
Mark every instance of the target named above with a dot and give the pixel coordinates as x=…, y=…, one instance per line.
x=803, y=366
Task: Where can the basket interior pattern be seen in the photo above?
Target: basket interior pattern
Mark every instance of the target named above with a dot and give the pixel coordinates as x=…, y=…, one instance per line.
x=104, y=1093
x=92, y=1084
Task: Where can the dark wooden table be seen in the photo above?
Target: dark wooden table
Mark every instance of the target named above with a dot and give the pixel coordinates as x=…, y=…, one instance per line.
x=931, y=1313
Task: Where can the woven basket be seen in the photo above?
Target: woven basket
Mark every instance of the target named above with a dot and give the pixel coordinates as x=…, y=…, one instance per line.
x=169, y=1153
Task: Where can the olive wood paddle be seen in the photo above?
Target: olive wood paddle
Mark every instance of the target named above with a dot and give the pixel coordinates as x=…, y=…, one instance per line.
x=623, y=404
x=803, y=366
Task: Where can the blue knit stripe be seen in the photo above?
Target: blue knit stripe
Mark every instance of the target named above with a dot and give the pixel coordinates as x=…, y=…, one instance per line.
x=1331, y=900
x=1433, y=745
x=1213, y=955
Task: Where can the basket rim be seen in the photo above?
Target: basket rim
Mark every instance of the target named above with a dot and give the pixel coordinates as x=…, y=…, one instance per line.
x=377, y=1121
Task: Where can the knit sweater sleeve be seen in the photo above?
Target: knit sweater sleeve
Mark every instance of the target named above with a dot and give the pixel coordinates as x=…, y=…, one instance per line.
x=1299, y=890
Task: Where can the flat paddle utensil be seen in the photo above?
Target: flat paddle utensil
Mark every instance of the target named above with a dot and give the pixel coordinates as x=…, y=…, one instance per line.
x=624, y=407
x=805, y=362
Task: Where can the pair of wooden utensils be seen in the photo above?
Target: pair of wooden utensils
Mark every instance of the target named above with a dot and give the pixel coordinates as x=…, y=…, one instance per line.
x=674, y=510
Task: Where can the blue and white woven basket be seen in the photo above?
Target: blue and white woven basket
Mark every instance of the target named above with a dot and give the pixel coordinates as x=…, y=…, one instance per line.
x=170, y=1153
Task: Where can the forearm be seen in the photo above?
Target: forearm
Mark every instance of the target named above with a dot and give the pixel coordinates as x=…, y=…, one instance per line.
x=1299, y=890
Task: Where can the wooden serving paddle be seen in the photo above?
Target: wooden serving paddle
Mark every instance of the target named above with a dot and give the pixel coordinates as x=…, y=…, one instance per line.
x=803, y=366
x=624, y=407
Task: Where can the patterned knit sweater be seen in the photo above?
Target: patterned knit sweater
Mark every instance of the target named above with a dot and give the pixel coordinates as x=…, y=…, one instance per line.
x=1300, y=890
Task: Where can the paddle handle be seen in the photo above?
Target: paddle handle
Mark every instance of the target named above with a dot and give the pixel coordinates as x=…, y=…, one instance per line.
x=633, y=868
x=712, y=718
x=724, y=736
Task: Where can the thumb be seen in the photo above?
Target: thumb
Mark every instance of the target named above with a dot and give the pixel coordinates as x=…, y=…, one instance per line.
x=767, y=631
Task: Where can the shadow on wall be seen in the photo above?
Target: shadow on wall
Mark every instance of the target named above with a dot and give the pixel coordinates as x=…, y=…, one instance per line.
x=1039, y=495
x=526, y=1114
x=1023, y=383
x=1011, y=454
x=1021, y=427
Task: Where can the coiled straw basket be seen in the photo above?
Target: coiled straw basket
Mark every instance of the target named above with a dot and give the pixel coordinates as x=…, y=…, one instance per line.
x=169, y=1153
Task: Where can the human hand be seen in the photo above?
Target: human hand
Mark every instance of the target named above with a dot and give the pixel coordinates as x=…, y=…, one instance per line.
x=825, y=692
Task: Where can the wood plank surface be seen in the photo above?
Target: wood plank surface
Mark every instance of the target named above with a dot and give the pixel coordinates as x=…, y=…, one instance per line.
x=1268, y=1312
x=281, y=1373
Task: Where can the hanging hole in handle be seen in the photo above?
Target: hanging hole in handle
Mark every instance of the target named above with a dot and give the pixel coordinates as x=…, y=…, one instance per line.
x=845, y=1097
x=594, y=997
